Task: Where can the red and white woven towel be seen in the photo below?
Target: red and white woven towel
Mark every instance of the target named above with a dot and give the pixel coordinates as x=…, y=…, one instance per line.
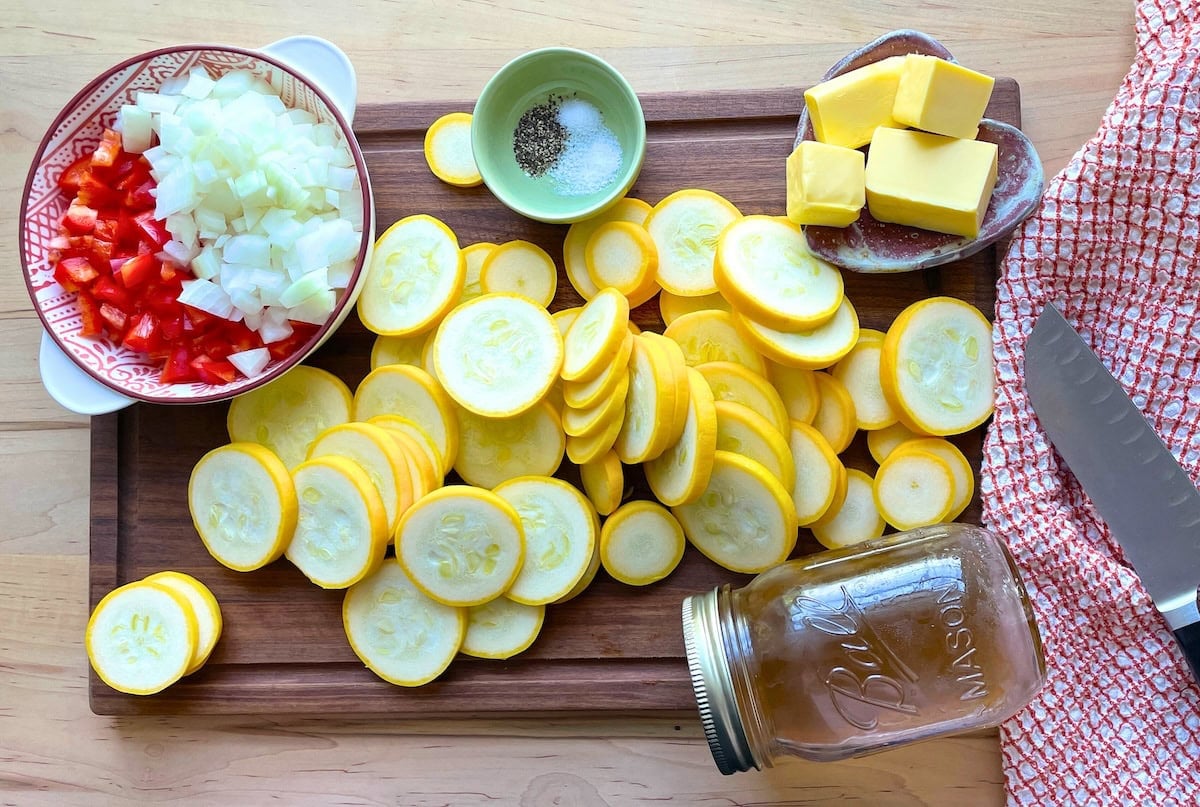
x=1115, y=244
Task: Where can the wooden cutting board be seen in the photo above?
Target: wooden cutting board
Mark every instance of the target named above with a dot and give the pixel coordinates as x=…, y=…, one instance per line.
x=614, y=648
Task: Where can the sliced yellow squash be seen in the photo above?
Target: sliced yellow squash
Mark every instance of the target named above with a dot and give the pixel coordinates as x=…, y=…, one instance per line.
x=741, y=430
x=398, y=632
x=733, y=382
x=819, y=473
x=498, y=355
x=836, y=419
x=744, y=520
x=628, y=209
x=816, y=349
x=603, y=481
x=416, y=274
x=936, y=369
x=710, y=335
x=376, y=451
x=673, y=306
x=641, y=543
x=914, y=488
x=243, y=505
x=680, y=474
x=491, y=451
x=287, y=414
x=205, y=607
x=448, y=150
x=461, y=545
x=857, y=519
x=342, y=530
x=561, y=529
x=595, y=337
x=686, y=227
x=412, y=393
x=141, y=637
x=765, y=270
x=797, y=389
x=858, y=372
x=520, y=267
x=502, y=628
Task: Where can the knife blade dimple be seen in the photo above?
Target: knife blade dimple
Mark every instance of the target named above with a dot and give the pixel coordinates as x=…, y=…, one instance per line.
x=1066, y=358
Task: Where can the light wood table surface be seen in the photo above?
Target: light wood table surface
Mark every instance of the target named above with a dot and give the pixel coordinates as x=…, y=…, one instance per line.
x=1069, y=57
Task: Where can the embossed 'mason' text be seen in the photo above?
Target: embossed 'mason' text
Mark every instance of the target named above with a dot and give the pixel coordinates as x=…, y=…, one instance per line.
x=960, y=642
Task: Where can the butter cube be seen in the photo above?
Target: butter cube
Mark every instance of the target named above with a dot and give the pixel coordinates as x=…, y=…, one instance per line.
x=825, y=184
x=846, y=110
x=941, y=97
x=930, y=181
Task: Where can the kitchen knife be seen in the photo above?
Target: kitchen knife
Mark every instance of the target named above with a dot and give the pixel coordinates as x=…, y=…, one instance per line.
x=1137, y=487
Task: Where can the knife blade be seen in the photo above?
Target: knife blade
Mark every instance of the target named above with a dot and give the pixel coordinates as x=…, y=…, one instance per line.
x=1144, y=496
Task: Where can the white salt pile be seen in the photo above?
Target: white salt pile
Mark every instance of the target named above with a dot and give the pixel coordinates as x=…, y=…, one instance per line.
x=592, y=157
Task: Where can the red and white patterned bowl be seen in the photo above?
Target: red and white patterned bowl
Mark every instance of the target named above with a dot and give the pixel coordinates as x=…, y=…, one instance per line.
x=76, y=131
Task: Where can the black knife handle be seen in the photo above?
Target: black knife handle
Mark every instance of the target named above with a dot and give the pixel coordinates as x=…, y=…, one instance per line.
x=1189, y=641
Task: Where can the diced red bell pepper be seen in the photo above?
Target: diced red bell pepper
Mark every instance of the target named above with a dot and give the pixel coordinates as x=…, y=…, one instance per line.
x=106, y=228
x=200, y=319
x=93, y=323
x=137, y=270
x=115, y=318
x=80, y=219
x=178, y=367
x=126, y=232
x=109, y=149
x=213, y=344
x=144, y=334
x=171, y=327
x=78, y=269
x=74, y=174
x=107, y=290
x=102, y=252
x=139, y=172
x=301, y=333
x=125, y=167
x=163, y=300
x=64, y=279
x=213, y=371
x=153, y=230
x=141, y=196
x=95, y=193
x=241, y=338
x=169, y=272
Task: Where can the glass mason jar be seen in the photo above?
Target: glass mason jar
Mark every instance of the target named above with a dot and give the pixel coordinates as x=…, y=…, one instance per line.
x=914, y=635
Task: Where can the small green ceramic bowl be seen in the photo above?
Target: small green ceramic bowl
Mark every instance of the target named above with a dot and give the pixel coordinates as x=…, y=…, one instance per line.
x=531, y=80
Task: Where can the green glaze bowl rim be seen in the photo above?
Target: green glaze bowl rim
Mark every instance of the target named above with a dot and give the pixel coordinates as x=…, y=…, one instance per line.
x=565, y=212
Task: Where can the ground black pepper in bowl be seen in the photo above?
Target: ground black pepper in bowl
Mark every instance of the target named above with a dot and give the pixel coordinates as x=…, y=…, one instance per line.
x=539, y=139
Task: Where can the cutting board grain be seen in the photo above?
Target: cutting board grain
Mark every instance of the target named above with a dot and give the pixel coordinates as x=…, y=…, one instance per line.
x=613, y=649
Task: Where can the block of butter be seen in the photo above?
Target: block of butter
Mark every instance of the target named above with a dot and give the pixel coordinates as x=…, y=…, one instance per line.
x=825, y=184
x=942, y=97
x=930, y=181
x=846, y=110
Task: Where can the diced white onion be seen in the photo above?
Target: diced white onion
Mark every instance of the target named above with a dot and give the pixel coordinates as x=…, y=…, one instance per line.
x=207, y=296
x=199, y=85
x=314, y=282
x=179, y=252
x=262, y=201
x=251, y=362
x=134, y=123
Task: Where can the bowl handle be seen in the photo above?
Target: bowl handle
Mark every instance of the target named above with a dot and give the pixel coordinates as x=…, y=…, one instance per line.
x=324, y=64
x=71, y=387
